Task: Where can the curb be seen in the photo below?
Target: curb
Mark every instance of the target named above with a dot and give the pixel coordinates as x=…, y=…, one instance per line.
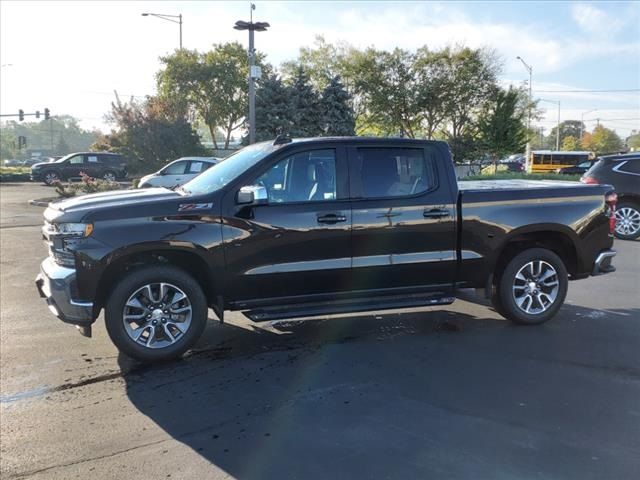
x=40, y=202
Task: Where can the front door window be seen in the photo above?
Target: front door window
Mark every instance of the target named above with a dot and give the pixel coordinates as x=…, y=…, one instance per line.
x=302, y=177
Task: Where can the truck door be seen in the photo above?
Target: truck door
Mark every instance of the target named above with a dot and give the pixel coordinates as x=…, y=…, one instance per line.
x=403, y=219
x=299, y=243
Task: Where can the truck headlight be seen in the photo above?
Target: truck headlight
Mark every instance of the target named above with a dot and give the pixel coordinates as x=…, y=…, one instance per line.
x=75, y=229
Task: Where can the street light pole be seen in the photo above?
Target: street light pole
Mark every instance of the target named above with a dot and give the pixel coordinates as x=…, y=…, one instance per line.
x=253, y=70
x=169, y=18
x=528, y=148
x=582, y=121
x=558, y=126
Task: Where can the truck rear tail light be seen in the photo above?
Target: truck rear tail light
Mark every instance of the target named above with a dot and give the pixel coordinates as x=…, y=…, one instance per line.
x=589, y=180
x=611, y=199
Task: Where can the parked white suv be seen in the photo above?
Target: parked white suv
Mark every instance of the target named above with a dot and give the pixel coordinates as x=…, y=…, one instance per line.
x=178, y=172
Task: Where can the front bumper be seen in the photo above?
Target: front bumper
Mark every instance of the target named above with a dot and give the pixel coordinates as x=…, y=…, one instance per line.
x=603, y=261
x=56, y=284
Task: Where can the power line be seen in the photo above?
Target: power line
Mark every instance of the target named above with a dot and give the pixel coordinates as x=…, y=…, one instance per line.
x=610, y=119
x=590, y=91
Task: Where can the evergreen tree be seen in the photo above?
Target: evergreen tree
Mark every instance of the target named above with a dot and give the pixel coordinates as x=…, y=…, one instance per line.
x=306, y=108
x=274, y=112
x=501, y=128
x=337, y=114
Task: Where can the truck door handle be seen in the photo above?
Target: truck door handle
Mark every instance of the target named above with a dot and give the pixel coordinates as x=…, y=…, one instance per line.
x=435, y=213
x=331, y=218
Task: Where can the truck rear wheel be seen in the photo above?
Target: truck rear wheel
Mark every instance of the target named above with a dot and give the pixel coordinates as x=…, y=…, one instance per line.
x=156, y=313
x=532, y=287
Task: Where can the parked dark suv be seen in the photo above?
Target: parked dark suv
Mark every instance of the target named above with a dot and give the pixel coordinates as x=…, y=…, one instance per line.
x=108, y=166
x=623, y=172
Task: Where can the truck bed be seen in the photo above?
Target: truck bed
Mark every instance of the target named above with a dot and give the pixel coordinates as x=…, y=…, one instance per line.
x=492, y=212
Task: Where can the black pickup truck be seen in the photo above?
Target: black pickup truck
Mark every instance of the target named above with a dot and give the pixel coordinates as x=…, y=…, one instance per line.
x=315, y=226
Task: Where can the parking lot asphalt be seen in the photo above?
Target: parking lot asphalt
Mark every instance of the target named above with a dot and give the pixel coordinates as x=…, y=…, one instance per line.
x=452, y=392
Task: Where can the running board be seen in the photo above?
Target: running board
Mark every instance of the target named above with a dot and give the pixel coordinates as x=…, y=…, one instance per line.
x=282, y=312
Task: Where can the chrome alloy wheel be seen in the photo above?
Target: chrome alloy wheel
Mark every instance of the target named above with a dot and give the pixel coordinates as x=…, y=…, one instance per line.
x=109, y=177
x=535, y=287
x=627, y=221
x=51, y=177
x=157, y=315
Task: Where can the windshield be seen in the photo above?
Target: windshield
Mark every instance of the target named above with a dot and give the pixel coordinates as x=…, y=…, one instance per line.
x=64, y=158
x=227, y=170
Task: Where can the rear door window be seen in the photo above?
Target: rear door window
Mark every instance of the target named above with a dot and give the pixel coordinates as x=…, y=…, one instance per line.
x=394, y=172
x=630, y=166
x=196, y=167
x=177, y=168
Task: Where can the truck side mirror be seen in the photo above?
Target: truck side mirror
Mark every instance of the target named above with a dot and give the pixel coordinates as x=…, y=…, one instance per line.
x=253, y=195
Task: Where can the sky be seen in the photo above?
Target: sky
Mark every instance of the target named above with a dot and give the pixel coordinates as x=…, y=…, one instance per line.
x=71, y=56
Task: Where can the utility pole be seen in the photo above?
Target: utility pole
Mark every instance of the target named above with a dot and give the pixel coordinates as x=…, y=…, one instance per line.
x=254, y=71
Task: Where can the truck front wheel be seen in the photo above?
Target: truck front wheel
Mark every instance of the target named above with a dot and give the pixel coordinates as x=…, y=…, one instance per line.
x=156, y=313
x=532, y=287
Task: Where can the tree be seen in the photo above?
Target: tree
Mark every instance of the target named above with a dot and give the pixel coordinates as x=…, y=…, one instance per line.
x=337, y=114
x=62, y=147
x=633, y=141
x=472, y=81
x=8, y=144
x=603, y=140
x=387, y=82
x=570, y=144
x=431, y=88
x=306, y=111
x=324, y=61
x=501, y=128
x=273, y=108
x=568, y=128
x=214, y=84
x=149, y=132
x=41, y=134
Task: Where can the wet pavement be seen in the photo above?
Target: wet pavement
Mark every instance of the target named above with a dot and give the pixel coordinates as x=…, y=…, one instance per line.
x=452, y=392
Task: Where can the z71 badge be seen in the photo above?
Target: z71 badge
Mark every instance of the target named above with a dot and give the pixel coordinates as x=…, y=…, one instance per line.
x=187, y=207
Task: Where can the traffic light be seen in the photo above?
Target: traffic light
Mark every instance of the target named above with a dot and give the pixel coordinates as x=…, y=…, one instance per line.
x=37, y=113
x=22, y=142
x=46, y=114
x=21, y=114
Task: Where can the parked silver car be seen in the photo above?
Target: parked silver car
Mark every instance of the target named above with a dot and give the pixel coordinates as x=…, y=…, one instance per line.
x=178, y=172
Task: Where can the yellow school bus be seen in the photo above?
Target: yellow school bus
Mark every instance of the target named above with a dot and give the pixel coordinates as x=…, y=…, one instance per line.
x=548, y=161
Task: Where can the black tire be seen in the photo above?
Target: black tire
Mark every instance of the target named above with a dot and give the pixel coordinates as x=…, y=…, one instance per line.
x=630, y=214
x=497, y=303
x=50, y=177
x=541, y=310
x=127, y=286
x=109, y=176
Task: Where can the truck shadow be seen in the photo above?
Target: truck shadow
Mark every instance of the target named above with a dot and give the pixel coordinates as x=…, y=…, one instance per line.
x=414, y=395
